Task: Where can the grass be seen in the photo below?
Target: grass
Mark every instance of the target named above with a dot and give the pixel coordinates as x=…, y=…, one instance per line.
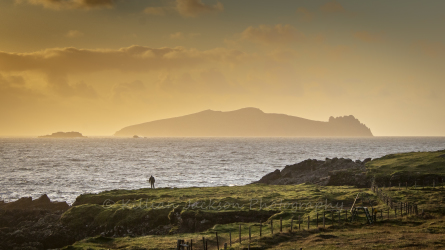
x=251, y=204
x=259, y=201
x=416, y=164
x=408, y=232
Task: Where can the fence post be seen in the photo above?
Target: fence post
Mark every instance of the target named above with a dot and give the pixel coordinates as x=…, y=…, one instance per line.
x=191, y=244
x=204, y=243
x=178, y=245
x=308, y=220
x=225, y=246
x=401, y=209
x=291, y=224
x=299, y=222
x=217, y=241
x=317, y=219
x=206, y=247
x=271, y=226
x=261, y=228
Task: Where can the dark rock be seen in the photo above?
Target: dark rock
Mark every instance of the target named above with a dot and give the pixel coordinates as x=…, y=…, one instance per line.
x=329, y=172
x=270, y=177
x=367, y=160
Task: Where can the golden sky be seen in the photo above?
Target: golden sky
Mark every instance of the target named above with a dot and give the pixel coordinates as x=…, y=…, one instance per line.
x=96, y=66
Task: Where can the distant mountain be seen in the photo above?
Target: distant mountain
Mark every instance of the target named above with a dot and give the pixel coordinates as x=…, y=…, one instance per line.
x=248, y=122
x=63, y=135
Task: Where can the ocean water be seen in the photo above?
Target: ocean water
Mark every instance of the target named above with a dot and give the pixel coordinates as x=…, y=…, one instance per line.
x=66, y=168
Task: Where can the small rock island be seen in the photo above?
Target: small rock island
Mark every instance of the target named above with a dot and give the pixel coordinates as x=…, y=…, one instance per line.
x=63, y=135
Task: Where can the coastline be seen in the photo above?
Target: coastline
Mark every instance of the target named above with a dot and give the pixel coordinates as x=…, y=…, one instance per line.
x=170, y=211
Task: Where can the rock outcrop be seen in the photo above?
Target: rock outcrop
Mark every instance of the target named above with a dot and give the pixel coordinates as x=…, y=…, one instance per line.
x=63, y=135
x=42, y=203
x=33, y=224
x=334, y=172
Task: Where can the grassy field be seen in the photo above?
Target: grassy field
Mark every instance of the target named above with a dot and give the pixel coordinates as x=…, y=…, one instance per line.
x=223, y=210
x=409, y=232
x=413, y=163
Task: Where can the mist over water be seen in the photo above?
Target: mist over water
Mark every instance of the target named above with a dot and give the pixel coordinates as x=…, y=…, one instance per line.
x=66, y=168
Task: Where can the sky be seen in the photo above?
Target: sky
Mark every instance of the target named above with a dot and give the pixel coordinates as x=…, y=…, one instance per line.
x=96, y=66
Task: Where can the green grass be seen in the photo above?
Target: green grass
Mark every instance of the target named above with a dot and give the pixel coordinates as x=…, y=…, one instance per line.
x=232, y=205
x=409, y=232
x=415, y=164
x=115, y=208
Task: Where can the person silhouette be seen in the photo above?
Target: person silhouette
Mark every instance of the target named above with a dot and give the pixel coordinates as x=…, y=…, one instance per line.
x=152, y=181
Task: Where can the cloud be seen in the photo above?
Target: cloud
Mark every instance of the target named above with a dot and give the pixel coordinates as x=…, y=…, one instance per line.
x=181, y=35
x=74, y=34
x=278, y=34
x=193, y=8
x=332, y=7
x=305, y=15
x=13, y=90
x=207, y=81
x=177, y=35
x=60, y=63
x=432, y=49
x=183, y=83
x=130, y=59
x=367, y=37
x=156, y=11
x=58, y=82
x=128, y=89
x=70, y=4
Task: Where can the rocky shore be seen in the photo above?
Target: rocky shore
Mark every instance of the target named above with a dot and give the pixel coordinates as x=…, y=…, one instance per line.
x=33, y=224
x=43, y=224
x=330, y=172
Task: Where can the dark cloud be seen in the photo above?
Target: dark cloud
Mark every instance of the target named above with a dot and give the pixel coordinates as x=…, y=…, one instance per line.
x=70, y=4
x=130, y=59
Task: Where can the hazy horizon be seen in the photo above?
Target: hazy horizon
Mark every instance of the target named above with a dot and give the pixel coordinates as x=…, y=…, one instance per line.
x=98, y=66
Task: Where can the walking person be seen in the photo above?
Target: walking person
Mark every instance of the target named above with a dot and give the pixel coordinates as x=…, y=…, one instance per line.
x=152, y=181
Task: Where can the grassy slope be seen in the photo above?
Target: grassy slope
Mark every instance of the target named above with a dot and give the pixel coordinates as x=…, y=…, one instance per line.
x=123, y=207
x=408, y=233
x=416, y=163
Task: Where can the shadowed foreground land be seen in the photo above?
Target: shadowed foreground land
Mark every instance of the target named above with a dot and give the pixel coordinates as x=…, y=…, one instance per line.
x=157, y=218
x=407, y=232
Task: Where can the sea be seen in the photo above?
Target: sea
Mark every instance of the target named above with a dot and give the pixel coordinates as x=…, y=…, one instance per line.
x=66, y=168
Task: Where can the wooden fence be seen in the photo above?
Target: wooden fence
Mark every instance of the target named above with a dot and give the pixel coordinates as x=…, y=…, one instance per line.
x=330, y=217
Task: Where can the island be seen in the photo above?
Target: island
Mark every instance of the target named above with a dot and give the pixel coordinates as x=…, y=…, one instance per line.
x=246, y=122
x=63, y=135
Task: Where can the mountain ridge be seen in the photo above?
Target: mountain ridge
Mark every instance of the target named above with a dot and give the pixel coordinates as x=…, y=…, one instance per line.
x=246, y=122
